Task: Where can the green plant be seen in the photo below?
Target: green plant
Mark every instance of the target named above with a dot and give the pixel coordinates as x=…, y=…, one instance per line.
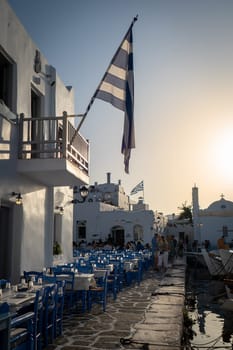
x=57, y=249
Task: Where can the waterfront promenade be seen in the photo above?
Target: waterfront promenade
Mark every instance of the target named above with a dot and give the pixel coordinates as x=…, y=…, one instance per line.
x=148, y=316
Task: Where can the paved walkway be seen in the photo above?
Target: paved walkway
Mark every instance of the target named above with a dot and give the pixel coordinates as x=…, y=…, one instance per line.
x=133, y=320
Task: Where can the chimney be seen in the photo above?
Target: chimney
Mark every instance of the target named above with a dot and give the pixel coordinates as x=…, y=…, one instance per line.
x=108, y=178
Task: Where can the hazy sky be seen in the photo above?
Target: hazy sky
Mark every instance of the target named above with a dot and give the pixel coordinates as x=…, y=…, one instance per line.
x=183, y=71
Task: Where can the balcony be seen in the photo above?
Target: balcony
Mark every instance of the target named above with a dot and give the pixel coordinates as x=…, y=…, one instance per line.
x=50, y=153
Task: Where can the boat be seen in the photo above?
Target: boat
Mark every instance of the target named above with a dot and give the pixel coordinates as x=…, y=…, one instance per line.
x=228, y=302
x=227, y=259
x=214, y=263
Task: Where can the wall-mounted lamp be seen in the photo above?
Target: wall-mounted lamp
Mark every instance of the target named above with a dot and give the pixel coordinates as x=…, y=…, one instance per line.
x=18, y=198
x=60, y=210
x=83, y=192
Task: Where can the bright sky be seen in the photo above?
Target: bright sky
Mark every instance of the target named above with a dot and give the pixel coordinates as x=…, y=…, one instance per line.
x=183, y=72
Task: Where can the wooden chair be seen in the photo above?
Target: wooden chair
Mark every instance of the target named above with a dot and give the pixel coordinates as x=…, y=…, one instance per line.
x=25, y=329
x=3, y=283
x=112, y=283
x=5, y=326
x=98, y=294
x=29, y=275
x=49, y=320
x=69, y=302
x=59, y=308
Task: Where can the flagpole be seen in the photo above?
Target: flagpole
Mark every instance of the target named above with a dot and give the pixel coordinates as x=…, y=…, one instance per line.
x=93, y=97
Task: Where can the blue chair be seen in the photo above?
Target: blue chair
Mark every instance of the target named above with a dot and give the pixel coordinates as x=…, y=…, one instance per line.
x=3, y=283
x=59, y=308
x=25, y=329
x=28, y=275
x=135, y=274
x=85, y=268
x=112, y=283
x=49, y=320
x=98, y=294
x=5, y=326
x=47, y=279
x=68, y=277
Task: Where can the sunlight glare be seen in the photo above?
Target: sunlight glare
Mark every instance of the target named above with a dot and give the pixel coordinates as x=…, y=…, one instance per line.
x=223, y=155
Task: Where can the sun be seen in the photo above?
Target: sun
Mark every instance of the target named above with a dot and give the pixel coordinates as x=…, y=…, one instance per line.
x=222, y=155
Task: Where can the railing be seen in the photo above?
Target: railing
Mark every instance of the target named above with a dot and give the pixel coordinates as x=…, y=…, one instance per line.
x=49, y=138
x=7, y=132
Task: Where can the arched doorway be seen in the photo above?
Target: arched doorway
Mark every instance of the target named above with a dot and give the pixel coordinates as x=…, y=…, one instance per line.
x=118, y=236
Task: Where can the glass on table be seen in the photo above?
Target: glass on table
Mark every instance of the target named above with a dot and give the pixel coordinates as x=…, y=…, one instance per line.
x=8, y=285
x=15, y=288
x=23, y=281
x=30, y=285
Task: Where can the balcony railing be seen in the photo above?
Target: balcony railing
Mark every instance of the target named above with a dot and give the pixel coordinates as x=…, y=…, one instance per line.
x=49, y=138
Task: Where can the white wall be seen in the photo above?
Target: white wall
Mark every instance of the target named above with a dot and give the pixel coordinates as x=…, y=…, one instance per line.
x=32, y=225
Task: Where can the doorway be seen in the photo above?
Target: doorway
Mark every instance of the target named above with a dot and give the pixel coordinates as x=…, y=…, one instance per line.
x=118, y=236
x=36, y=126
x=5, y=242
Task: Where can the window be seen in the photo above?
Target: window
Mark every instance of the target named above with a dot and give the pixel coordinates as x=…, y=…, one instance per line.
x=6, y=80
x=225, y=231
x=81, y=230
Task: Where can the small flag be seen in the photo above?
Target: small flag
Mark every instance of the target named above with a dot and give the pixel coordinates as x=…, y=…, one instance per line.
x=136, y=189
x=117, y=88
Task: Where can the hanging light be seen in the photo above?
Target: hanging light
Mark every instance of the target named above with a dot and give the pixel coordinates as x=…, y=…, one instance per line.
x=83, y=192
x=60, y=210
x=18, y=198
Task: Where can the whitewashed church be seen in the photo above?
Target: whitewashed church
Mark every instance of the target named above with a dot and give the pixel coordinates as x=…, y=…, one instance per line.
x=213, y=222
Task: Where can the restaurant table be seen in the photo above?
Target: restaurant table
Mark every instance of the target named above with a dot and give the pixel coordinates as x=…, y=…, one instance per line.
x=82, y=281
x=17, y=299
x=100, y=272
x=128, y=266
x=23, y=297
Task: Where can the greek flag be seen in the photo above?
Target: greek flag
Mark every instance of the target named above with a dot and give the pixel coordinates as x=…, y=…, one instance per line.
x=117, y=88
x=136, y=189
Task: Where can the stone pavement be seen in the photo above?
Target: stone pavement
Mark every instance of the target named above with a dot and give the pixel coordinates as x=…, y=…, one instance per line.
x=148, y=316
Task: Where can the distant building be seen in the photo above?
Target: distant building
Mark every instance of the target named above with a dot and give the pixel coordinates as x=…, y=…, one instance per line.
x=213, y=222
x=109, y=213
x=181, y=229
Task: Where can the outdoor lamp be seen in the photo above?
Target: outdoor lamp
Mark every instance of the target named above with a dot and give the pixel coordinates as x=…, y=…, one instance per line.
x=83, y=192
x=60, y=210
x=18, y=198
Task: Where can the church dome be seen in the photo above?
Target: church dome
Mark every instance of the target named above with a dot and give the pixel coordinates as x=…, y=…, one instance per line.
x=221, y=204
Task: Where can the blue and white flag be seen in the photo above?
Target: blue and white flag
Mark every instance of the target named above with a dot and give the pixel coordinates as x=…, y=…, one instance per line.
x=117, y=88
x=138, y=188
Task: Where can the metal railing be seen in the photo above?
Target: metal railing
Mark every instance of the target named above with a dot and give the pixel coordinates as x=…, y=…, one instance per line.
x=49, y=138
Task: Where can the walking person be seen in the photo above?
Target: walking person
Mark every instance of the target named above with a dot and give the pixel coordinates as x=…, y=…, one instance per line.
x=172, y=249
x=155, y=250
x=163, y=254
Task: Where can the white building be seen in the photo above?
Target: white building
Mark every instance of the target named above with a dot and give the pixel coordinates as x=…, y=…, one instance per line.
x=40, y=159
x=181, y=229
x=108, y=212
x=214, y=221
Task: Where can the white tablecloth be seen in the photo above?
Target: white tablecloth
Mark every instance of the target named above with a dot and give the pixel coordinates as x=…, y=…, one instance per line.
x=82, y=281
x=17, y=299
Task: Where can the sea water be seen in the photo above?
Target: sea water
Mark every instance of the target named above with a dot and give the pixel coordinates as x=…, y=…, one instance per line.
x=212, y=322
